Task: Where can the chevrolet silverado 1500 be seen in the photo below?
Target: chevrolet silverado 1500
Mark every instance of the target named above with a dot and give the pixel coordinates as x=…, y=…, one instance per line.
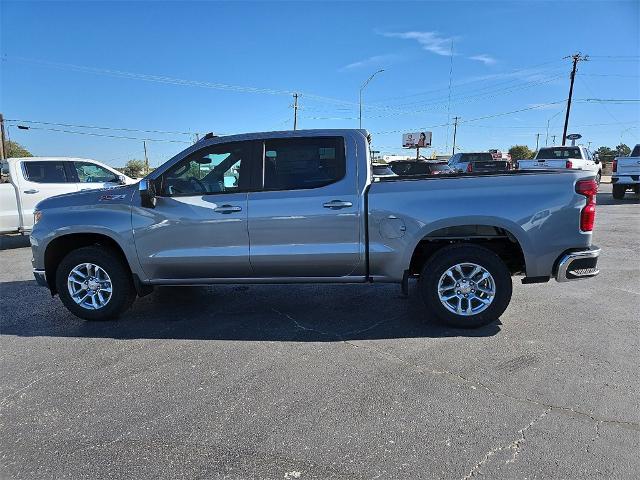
x=303, y=206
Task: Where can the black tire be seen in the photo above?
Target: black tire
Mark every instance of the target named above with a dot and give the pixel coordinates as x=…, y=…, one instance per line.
x=618, y=191
x=123, y=290
x=598, y=177
x=447, y=258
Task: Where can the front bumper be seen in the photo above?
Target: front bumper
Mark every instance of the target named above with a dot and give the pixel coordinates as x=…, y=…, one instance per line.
x=41, y=277
x=578, y=265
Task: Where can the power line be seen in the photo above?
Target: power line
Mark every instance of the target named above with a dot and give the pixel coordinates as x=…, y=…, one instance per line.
x=175, y=80
x=101, y=127
x=103, y=135
x=482, y=79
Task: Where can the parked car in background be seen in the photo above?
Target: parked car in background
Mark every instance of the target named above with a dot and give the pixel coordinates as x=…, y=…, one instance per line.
x=567, y=157
x=27, y=181
x=626, y=174
x=477, y=162
x=305, y=209
x=419, y=167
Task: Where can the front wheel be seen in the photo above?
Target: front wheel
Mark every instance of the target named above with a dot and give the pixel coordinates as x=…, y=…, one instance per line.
x=94, y=283
x=466, y=286
x=618, y=191
x=598, y=177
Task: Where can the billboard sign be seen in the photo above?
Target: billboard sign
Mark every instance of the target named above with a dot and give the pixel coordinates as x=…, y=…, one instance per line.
x=416, y=140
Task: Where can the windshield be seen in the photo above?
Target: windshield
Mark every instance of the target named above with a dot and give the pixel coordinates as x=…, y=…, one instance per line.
x=558, y=153
x=636, y=151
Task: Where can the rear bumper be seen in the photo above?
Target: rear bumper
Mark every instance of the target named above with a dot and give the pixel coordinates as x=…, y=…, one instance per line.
x=578, y=265
x=626, y=179
x=41, y=277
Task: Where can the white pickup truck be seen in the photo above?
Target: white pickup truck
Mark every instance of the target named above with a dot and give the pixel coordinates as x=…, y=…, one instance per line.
x=26, y=181
x=626, y=174
x=573, y=157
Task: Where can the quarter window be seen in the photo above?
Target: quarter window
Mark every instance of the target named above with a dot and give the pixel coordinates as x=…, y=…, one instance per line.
x=302, y=163
x=216, y=169
x=45, y=172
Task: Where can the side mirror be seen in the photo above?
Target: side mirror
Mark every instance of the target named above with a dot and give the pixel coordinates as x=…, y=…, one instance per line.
x=596, y=158
x=147, y=190
x=122, y=180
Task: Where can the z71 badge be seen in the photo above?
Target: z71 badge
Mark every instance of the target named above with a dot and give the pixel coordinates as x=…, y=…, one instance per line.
x=111, y=197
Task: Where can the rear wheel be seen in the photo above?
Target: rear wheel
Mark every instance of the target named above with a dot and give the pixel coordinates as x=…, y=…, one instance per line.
x=466, y=286
x=94, y=283
x=618, y=191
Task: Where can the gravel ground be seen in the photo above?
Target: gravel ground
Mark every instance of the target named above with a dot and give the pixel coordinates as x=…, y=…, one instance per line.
x=326, y=381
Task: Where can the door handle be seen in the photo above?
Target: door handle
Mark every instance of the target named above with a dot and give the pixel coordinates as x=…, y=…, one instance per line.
x=337, y=204
x=227, y=209
x=33, y=190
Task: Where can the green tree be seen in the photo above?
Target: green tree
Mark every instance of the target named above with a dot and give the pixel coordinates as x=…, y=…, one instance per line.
x=15, y=150
x=134, y=168
x=622, y=150
x=521, y=152
x=605, y=154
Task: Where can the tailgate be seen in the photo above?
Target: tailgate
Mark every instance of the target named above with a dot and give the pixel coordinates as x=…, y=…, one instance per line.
x=542, y=163
x=628, y=166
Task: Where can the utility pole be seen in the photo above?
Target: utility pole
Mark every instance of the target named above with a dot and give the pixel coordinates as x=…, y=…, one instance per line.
x=146, y=160
x=537, y=140
x=295, y=111
x=576, y=58
x=455, y=131
x=3, y=151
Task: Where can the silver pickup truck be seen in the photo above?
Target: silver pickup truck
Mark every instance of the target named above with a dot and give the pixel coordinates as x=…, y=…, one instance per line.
x=303, y=206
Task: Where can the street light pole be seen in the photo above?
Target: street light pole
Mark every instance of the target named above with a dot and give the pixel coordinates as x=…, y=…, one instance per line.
x=363, y=87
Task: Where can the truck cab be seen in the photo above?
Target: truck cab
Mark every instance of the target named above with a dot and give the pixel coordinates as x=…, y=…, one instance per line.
x=26, y=181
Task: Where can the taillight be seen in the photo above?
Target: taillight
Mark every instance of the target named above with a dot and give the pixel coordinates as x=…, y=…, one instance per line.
x=588, y=188
x=568, y=164
x=469, y=167
x=615, y=165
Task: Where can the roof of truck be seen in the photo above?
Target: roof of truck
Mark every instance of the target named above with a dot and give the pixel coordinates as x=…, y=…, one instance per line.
x=53, y=159
x=286, y=134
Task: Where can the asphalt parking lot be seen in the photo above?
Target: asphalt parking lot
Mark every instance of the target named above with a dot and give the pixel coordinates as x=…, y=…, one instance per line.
x=327, y=381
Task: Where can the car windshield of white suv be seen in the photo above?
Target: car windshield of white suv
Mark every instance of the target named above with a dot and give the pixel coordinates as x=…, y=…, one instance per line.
x=560, y=153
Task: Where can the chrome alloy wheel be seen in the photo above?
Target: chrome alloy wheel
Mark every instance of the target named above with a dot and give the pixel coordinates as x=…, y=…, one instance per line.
x=466, y=289
x=89, y=286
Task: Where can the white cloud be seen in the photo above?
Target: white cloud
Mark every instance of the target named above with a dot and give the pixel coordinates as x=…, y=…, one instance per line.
x=374, y=61
x=430, y=41
x=484, y=58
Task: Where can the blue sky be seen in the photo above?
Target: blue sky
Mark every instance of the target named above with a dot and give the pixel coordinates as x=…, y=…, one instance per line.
x=230, y=67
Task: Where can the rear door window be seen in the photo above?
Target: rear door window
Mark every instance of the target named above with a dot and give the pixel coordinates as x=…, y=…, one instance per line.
x=45, y=172
x=303, y=163
x=477, y=157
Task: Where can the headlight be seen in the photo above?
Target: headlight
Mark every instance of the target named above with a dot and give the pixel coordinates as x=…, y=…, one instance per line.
x=37, y=215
